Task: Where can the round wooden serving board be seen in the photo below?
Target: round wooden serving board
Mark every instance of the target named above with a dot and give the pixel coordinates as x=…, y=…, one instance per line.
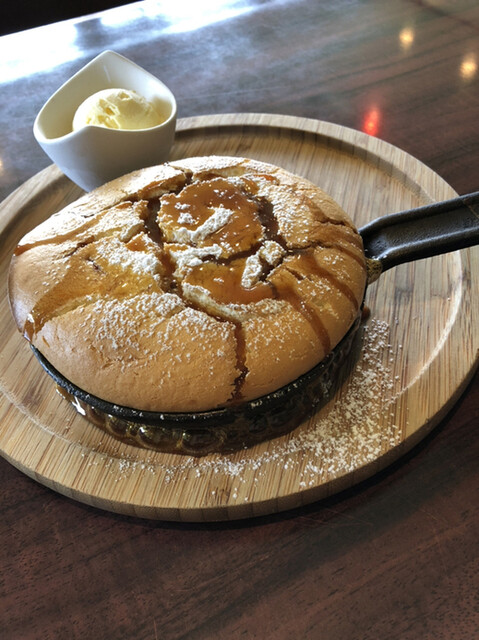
x=416, y=353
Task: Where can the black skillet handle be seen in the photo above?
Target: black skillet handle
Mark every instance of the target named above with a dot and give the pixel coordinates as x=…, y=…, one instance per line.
x=421, y=233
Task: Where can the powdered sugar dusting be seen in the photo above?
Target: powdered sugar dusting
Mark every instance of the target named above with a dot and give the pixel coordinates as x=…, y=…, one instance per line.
x=114, y=252
x=186, y=257
x=353, y=430
x=270, y=252
x=112, y=320
x=218, y=218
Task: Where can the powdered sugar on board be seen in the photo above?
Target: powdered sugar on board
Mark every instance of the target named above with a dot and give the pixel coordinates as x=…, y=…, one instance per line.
x=355, y=428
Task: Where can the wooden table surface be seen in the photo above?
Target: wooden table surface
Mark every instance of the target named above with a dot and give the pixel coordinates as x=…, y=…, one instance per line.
x=396, y=556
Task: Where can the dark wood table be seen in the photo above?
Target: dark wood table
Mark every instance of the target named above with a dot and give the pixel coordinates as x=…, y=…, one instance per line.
x=396, y=556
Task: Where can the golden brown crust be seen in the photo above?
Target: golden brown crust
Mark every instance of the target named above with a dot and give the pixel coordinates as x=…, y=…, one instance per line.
x=191, y=285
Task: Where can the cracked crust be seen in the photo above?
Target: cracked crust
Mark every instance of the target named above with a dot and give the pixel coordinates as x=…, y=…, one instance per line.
x=191, y=285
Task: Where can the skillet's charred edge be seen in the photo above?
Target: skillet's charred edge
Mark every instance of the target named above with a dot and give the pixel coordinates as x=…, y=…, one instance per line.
x=219, y=430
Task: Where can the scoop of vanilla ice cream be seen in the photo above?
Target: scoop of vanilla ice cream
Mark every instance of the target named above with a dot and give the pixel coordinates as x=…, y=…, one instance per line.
x=117, y=109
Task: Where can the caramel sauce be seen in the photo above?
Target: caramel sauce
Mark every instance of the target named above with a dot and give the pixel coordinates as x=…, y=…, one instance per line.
x=223, y=282
x=251, y=186
x=307, y=263
x=151, y=222
x=85, y=279
x=75, y=283
x=285, y=285
x=269, y=222
x=197, y=202
x=57, y=239
x=137, y=243
x=329, y=238
x=240, y=364
x=356, y=256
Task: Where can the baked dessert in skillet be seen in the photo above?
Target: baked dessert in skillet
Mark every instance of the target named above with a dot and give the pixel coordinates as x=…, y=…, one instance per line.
x=191, y=286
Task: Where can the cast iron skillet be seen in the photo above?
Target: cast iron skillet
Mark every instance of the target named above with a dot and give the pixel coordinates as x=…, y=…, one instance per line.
x=388, y=241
